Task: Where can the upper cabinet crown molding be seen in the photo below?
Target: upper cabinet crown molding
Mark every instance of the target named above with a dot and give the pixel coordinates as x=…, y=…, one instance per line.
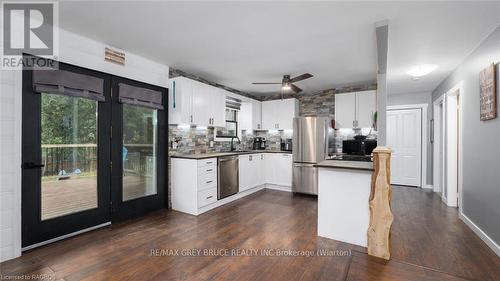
x=355, y=109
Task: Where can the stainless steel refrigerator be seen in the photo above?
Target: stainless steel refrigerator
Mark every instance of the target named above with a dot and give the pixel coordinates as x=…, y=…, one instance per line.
x=310, y=146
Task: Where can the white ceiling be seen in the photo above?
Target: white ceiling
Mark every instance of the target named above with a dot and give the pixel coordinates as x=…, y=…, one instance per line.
x=236, y=43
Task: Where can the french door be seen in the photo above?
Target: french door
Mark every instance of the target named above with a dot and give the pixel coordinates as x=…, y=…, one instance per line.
x=138, y=151
x=88, y=158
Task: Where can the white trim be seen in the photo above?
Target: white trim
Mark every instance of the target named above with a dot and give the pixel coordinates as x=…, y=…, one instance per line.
x=436, y=153
x=65, y=236
x=279, y=187
x=423, y=112
x=443, y=99
x=429, y=186
x=479, y=232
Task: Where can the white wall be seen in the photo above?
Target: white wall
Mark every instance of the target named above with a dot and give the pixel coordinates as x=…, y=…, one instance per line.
x=418, y=98
x=73, y=49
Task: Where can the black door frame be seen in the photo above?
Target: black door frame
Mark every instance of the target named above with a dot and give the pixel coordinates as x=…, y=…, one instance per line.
x=110, y=206
x=34, y=230
x=121, y=210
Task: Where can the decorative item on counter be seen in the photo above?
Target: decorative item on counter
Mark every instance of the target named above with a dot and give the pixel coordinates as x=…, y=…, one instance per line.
x=174, y=144
x=488, y=93
x=371, y=135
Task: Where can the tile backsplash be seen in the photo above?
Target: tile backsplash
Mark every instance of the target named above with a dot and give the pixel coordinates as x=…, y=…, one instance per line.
x=197, y=140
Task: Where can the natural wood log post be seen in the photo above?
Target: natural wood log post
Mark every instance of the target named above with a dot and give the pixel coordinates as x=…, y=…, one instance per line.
x=381, y=217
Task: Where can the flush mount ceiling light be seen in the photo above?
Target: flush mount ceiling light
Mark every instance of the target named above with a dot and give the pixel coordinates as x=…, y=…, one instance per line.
x=421, y=70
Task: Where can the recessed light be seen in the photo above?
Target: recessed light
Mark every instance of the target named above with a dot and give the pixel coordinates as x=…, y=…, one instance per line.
x=421, y=70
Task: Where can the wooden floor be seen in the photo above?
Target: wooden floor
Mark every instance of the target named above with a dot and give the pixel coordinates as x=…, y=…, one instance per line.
x=429, y=242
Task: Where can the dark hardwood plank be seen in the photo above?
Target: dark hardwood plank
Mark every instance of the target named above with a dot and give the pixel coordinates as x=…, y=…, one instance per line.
x=428, y=243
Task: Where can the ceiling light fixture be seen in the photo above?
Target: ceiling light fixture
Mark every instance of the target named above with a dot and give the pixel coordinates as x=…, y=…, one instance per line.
x=422, y=70
x=286, y=86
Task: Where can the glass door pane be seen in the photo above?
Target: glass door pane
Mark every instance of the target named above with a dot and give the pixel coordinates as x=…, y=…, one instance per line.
x=69, y=155
x=139, y=152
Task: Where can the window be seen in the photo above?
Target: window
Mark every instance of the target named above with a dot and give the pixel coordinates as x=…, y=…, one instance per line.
x=231, y=129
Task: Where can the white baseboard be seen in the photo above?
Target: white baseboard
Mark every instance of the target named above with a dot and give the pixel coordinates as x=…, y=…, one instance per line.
x=428, y=186
x=279, y=187
x=479, y=232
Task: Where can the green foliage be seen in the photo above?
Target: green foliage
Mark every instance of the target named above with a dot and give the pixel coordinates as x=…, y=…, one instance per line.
x=68, y=120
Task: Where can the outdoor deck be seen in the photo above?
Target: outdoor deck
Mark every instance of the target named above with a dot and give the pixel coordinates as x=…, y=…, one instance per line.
x=78, y=194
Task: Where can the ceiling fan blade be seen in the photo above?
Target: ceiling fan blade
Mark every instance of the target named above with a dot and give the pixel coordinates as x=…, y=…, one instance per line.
x=301, y=77
x=257, y=83
x=295, y=88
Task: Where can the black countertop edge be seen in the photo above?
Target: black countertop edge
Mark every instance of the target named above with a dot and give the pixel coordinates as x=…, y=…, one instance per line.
x=350, y=165
x=222, y=154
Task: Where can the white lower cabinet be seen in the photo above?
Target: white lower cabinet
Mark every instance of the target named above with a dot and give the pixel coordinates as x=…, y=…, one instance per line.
x=278, y=169
x=194, y=182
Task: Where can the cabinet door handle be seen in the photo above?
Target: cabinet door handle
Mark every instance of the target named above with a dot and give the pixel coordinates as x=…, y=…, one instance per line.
x=261, y=157
x=209, y=197
x=250, y=157
x=209, y=162
x=209, y=170
x=191, y=116
x=209, y=181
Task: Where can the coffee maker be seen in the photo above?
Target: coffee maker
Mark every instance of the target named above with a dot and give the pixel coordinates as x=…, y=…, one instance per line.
x=286, y=145
x=259, y=143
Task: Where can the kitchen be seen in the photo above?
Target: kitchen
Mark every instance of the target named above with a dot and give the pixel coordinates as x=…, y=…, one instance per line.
x=217, y=158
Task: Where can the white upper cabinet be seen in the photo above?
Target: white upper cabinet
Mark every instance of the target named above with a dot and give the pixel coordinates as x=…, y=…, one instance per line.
x=345, y=110
x=180, y=99
x=217, y=109
x=250, y=115
x=366, y=103
x=196, y=103
x=256, y=115
x=246, y=116
x=355, y=110
x=279, y=114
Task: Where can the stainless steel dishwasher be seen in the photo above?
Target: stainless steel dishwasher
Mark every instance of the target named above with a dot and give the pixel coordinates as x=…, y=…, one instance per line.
x=228, y=176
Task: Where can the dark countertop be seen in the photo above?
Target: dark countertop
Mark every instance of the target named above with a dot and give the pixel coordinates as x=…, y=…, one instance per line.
x=221, y=154
x=354, y=165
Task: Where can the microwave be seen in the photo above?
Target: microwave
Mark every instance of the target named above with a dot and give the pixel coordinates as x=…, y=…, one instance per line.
x=358, y=147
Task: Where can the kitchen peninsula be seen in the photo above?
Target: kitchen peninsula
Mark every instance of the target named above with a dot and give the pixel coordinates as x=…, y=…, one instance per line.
x=343, y=193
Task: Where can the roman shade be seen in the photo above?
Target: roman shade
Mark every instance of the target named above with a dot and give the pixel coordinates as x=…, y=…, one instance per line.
x=61, y=82
x=233, y=103
x=128, y=94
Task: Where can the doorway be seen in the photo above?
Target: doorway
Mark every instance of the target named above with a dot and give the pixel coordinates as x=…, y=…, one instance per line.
x=407, y=140
x=71, y=136
x=447, y=147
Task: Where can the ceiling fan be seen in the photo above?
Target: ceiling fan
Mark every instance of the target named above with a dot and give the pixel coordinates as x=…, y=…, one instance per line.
x=286, y=83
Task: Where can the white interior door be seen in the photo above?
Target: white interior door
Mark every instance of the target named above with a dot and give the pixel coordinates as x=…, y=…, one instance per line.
x=404, y=137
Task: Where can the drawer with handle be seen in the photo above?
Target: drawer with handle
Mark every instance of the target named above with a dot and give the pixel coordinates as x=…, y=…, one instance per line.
x=206, y=181
x=207, y=197
x=207, y=169
x=207, y=162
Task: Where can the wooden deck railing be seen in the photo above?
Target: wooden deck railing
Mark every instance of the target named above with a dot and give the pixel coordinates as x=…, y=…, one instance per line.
x=379, y=230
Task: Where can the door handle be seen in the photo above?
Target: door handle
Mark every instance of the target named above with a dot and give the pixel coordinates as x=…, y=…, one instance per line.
x=31, y=165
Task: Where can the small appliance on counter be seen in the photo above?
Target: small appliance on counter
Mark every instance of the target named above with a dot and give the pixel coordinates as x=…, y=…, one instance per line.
x=358, y=147
x=286, y=144
x=259, y=143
